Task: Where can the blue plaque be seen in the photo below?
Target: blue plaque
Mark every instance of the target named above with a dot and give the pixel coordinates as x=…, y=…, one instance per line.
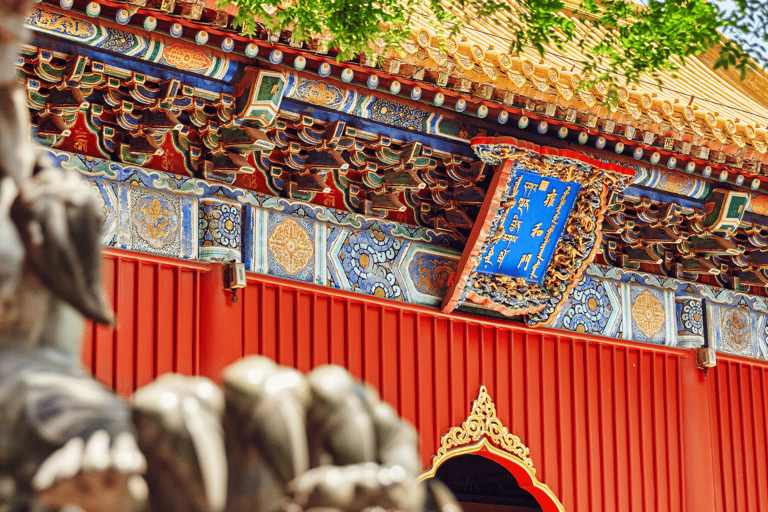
x=537, y=209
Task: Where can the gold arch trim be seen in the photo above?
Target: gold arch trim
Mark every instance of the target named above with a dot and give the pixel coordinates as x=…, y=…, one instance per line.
x=482, y=431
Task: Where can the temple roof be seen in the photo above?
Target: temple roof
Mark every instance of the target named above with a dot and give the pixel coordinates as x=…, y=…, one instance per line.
x=720, y=92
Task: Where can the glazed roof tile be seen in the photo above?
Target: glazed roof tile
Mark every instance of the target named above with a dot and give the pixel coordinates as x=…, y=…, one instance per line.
x=717, y=99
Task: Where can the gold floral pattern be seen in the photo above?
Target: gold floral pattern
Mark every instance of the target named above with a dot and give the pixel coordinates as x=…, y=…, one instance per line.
x=182, y=56
x=291, y=246
x=676, y=183
x=319, y=93
x=648, y=314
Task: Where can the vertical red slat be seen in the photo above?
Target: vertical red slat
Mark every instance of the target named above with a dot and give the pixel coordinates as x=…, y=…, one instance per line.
x=186, y=330
x=270, y=328
x=251, y=297
x=103, y=336
x=565, y=419
x=320, y=330
x=580, y=427
x=371, y=343
x=500, y=370
x=407, y=368
x=164, y=336
x=517, y=343
x=146, y=328
x=441, y=400
x=303, y=343
x=592, y=398
x=457, y=356
x=472, y=362
x=619, y=356
x=606, y=426
x=425, y=362
x=758, y=408
x=646, y=429
x=550, y=441
x=286, y=314
x=337, y=329
x=747, y=444
x=355, y=329
x=125, y=333
x=388, y=383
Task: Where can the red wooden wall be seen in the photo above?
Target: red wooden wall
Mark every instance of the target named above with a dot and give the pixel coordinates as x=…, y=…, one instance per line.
x=157, y=301
x=611, y=425
x=738, y=392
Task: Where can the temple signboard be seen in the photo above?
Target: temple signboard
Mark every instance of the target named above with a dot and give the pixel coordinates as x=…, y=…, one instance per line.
x=533, y=221
x=537, y=229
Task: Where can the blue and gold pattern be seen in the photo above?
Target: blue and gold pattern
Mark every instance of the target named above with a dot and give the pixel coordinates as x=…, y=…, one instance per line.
x=64, y=25
x=537, y=231
x=690, y=319
x=369, y=262
x=290, y=247
x=119, y=41
x=432, y=274
x=219, y=225
x=90, y=33
x=318, y=92
x=589, y=309
x=153, y=221
x=537, y=209
x=156, y=220
x=648, y=315
x=398, y=115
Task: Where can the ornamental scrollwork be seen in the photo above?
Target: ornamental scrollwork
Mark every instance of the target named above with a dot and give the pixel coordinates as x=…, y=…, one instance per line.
x=483, y=422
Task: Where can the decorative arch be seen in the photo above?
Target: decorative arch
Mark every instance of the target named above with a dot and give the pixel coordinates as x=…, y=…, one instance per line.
x=482, y=433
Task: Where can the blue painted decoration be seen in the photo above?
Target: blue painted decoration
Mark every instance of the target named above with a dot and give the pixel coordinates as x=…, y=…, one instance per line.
x=532, y=225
